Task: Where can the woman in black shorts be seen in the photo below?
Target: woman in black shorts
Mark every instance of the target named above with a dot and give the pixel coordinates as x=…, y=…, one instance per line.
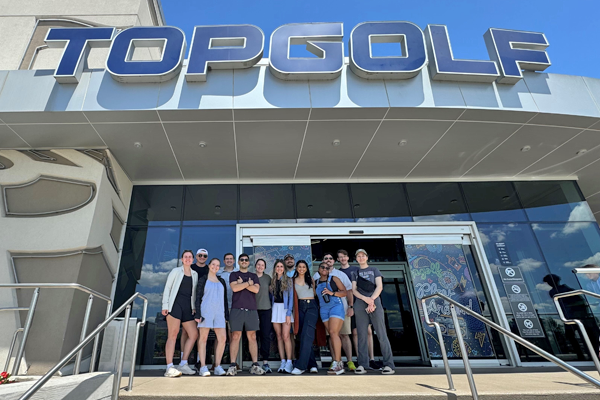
x=178, y=306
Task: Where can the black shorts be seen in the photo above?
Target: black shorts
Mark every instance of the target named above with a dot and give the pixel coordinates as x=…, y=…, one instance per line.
x=182, y=310
x=243, y=318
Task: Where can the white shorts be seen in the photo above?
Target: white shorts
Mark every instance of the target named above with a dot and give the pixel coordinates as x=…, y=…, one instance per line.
x=278, y=314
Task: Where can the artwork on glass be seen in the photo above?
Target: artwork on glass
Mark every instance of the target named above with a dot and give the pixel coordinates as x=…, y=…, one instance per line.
x=272, y=253
x=442, y=268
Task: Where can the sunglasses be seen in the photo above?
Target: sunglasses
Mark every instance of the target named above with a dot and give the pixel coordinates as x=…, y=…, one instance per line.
x=202, y=255
x=324, y=267
x=244, y=259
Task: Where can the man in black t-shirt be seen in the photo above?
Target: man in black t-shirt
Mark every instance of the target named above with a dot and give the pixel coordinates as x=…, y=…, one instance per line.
x=200, y=266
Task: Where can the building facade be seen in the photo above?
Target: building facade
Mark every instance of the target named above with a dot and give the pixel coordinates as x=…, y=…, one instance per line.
x=484, y=191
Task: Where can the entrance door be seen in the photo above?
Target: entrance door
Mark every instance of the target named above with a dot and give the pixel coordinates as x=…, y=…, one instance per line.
x=401, y=314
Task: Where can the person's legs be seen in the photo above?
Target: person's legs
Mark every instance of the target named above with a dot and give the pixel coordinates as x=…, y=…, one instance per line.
x=333, y=326
x=202, y=345
x=362, y=324
x=280, y=344
x=220, y=347
x=378, y=320
x=252, y=346
x=307, y=319
x=355, y=340
x=183, y=340
x=234, y=346
x=347, y=346
x=287, y=342
x=189, y=327
x=370, y=343
x=265, y=334
x=173, y=330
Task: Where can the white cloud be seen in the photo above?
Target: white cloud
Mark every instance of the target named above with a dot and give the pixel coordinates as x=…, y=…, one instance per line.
x=581, y=212
x=156, y=275
x=595, y=259
x=543, y=287
x=154, y=299
x=484, y=238
x=536, y=227
x=498, y=235
x=529, y=264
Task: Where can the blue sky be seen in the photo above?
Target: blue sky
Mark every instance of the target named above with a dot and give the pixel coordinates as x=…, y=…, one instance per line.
x=572, y=27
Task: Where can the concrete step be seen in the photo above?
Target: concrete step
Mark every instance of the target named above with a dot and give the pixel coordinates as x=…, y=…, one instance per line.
x=407, y=384
x=94, y=386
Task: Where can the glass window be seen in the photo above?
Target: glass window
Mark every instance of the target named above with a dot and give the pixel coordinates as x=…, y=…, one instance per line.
x=323, y=203
x=379, y=202
x=493, y=202
x=518, y=241
x=155, y=205
x=130, y=267
x=265, y=203
x=567, y=246
x=161, y=255
x=210, y=202
x=218, y=240
x=553, y=201
x=436, y=202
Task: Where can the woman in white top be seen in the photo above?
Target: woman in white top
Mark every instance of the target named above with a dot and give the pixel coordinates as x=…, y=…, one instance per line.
x=178, y=306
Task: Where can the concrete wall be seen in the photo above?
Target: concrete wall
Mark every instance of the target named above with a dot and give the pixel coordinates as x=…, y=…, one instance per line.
x=18, y=22
x=63, y=247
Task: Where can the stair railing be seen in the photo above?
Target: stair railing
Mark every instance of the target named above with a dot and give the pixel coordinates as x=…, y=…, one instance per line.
x=465, y=356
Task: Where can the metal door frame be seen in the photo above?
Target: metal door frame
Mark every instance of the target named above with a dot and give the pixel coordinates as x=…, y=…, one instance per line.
x=468, y=229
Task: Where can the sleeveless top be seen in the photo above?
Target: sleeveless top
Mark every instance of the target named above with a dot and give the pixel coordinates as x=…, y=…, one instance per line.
x=304, y=292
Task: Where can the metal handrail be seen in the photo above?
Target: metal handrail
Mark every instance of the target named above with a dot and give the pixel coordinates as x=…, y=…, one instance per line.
x=120, y=357
x=586, y=338
x=516, y=338
x=31, y=311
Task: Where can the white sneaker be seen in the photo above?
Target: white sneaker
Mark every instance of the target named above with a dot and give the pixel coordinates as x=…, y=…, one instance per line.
x=360, y=370
x=186, y=370
x=288, y=367
x=219, y=371
x=204, y=371
x=314, y=370
x=172, y=372
x=388, y=370
x=297, y=371
x=333, y=365
x=232, y=370
x=281, y=369
x=257, y=370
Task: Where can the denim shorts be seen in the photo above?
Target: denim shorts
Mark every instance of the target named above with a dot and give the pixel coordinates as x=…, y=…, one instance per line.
x=332, y=310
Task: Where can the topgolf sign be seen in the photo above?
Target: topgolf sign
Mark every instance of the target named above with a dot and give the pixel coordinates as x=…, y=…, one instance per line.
x=241, y=46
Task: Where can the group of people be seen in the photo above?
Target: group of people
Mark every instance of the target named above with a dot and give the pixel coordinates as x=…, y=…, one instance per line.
x=200, y=296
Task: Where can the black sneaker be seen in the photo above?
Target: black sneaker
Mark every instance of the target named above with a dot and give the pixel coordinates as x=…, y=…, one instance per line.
x=376, y=365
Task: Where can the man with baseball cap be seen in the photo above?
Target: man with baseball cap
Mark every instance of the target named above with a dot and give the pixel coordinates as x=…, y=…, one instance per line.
x=289, y=262
x=200, y=266
x=367, y=285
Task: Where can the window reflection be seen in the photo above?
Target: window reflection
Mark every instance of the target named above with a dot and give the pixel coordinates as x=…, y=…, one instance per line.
x=218, y=240
x=524, y=253
x=567, y=246
x=437, y=202
x=265, y=203
x=553, y=201
x=161, y=255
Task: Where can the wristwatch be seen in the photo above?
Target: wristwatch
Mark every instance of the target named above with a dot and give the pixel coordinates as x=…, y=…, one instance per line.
x=350, y=306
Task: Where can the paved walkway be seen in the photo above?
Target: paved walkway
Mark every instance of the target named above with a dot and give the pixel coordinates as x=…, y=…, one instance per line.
x=413, y=383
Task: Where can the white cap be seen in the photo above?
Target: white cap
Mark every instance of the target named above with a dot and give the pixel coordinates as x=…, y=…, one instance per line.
x=202, y=251
x=361, y=251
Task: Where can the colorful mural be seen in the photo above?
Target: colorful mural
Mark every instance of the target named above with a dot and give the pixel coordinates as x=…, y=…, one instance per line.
x=443, y=269
x=272, y=253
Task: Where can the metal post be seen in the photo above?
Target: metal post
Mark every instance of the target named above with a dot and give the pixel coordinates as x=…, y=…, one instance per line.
x=11, y=348
x=463, y=351
x=133, y=355
x=590, y=347
x=26, y=329
x=444, y=356
x=86, y=319
x=97, y=340
x=121, y=355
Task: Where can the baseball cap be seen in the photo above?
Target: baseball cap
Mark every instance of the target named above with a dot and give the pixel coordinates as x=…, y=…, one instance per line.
x=361, y=251
x=202, y=251
x=288, y=256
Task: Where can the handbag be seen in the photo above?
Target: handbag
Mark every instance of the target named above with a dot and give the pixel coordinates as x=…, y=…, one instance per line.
x=365, y=285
